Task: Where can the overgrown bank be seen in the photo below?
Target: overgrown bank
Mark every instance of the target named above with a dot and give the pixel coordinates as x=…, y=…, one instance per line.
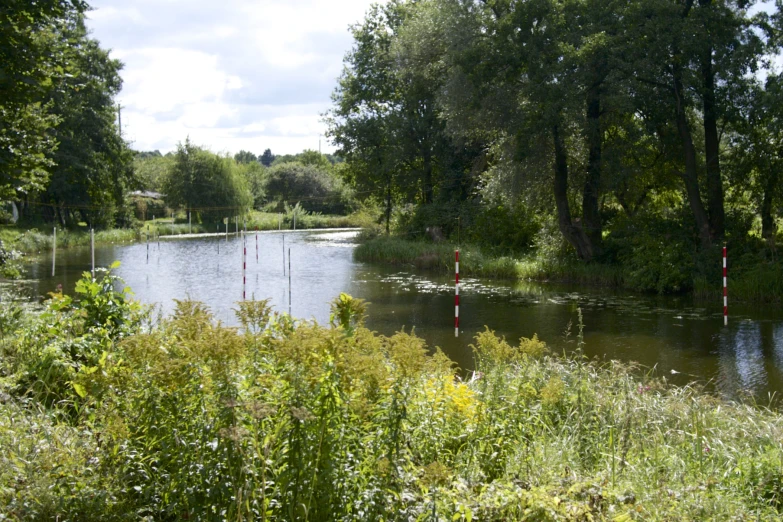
x=104, y=417
x=752, y=279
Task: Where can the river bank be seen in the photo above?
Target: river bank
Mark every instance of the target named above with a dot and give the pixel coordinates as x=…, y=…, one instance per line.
x=35, y=240
x=290, y=420
x=758, y=282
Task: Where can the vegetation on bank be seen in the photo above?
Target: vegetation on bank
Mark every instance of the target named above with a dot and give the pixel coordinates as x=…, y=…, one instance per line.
x=620, y=143
x=756, y=281
x=107, y=416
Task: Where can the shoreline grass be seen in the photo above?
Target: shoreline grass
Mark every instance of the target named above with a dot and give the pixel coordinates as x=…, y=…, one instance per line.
x=288, y=420
x=475, y=263
x=33, y=240
x=762, y=284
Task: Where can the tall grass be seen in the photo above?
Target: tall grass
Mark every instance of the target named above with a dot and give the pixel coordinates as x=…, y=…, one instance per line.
x=475, y=263
x=763, y=284
x=285, y=420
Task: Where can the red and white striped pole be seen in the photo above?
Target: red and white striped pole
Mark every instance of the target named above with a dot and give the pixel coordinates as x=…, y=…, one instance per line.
x=456, y=296
x=725, y=292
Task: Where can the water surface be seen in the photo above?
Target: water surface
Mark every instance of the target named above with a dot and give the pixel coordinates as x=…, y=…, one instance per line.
x=682, y=339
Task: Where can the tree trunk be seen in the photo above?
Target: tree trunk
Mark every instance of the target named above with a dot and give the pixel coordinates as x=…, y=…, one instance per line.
x=427, y=156
x=388, y=206
x=768, y=226
x=573, y=233
x=591, y=217
x=690, y=176
x=712, y=151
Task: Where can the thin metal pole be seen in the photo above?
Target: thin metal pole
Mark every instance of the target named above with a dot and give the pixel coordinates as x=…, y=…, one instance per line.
x=54, y=249
x=284, y=254
x=289, y=281
x=92, y=250
x=725, y=291
x=456, y=295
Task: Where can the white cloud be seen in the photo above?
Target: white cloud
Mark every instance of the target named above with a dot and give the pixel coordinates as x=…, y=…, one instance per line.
x=236, y=74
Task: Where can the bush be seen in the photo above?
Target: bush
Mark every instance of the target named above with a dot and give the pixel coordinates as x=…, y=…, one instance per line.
x=314, y=189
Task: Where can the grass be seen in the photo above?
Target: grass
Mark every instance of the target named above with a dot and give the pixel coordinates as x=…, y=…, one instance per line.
x=761, y=282
x=34, y=240
x=475, y=263
x=286, y=420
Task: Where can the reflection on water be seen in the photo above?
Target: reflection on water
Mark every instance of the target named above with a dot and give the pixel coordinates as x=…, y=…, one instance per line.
x=684, y=340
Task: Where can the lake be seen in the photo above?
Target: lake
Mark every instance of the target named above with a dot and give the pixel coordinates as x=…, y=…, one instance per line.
x=681, y=338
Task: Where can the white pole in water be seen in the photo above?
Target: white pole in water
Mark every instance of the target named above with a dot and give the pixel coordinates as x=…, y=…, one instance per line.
x=456, y=296
x=725, y=291
x=284, y=254
x=92, y=250
x=190, y=227
x=289, y=281
x=54, y=249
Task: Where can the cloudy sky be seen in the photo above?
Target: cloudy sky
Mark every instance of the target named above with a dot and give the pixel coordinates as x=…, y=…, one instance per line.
x=231, y=74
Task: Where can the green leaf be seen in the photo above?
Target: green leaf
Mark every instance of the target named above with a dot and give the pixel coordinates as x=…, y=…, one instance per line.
x=80, y=391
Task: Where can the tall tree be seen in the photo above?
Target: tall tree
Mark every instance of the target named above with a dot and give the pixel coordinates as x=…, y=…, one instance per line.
x=206, y=183
x=267, y=158
x=696, y=56
x=31, y=66
x=93, y=166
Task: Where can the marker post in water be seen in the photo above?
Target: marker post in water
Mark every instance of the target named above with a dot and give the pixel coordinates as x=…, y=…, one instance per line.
x=283, y=254
x=244, y=266
x=92, y=251
x=725, y=291
x=289, y=281
x=456, y=295
x=54, y=249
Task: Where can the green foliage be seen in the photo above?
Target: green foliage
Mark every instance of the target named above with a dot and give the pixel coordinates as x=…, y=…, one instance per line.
x=33, y=66
x=315, y=189
x=72, y=340
x=293, y=421
x=207, y=182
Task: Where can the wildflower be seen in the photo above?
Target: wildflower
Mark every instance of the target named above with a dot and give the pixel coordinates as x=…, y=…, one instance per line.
x=234, y=433
x=260, y=410
x=302, y=414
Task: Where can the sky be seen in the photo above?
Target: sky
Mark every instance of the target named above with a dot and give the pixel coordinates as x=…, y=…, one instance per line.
x=231, y=74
